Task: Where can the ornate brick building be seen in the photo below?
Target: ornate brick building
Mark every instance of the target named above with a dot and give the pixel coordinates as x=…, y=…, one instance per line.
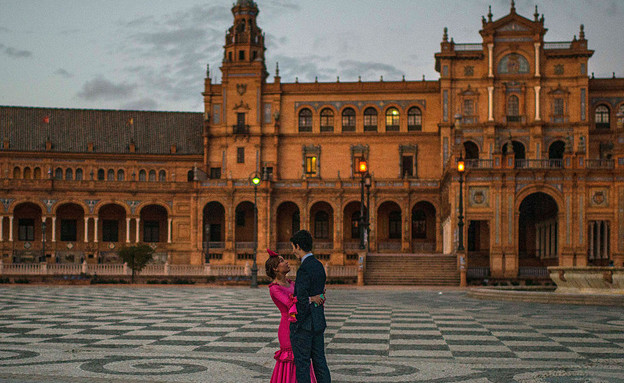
x=543, y=143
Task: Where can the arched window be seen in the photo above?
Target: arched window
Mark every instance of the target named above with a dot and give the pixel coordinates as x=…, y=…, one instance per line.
x=327, y=120
x=69, y=174
x=305, y=120
x=17, y=173
x=513, y=64
x=101, y=175
x=162, y=176
x=37, y=174
x=513, y=109
x=348, y=120
x=355, y=225
x=142, y=175
x=152, y=176
x=370, y=120
x=110, y=176
x=394, y=225
x=121, y=175
x=321, y=225
x=471, y=150
x=79, y=175
x=28, y=174
x=414, y=119
x=392, y=120
x=58, y=174
x=602, y=117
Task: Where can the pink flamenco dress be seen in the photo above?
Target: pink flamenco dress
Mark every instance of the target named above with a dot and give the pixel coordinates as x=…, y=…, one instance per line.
x=284, y=371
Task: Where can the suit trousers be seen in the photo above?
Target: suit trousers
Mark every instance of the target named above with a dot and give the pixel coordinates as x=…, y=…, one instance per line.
x=306, y=346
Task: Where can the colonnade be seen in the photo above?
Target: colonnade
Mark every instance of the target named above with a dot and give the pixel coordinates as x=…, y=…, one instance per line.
x=546, y=240
x=599, y=233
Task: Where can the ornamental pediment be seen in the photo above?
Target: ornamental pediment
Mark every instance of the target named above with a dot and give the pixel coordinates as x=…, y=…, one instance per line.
x=512, y=26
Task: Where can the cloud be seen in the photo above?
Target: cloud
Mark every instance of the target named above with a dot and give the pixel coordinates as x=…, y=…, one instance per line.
x=14, y=52
x=63, y=73
x=4, y=30
x=101, y=88
x=352, y=68
x=141, y=104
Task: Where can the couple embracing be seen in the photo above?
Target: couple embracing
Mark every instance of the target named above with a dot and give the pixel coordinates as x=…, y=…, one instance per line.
x=302, y=327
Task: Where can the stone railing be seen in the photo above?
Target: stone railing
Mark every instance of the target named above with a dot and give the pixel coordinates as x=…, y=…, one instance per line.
x=589, y=280
x=207, y=270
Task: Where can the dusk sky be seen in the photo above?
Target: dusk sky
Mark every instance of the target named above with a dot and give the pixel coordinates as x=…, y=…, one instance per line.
x=152, y=54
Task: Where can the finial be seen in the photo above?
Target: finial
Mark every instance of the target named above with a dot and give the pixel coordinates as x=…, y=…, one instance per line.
x=582, y=32
x=337, y=78
x=574, y=38
x=381, y=79
x=296, y=79
x=207, y=70
x=490, y=14
x=445, y=35
x=277, y=68
x=452, y=41
x=403, y=77
x=315, y=78
x=592, y=74
x=536, y=14
x=613, y=74
x=513, y=6
x=423, y=77
x=359, y=78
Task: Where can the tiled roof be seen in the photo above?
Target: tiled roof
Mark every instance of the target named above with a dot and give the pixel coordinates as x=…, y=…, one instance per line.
x=110, y=131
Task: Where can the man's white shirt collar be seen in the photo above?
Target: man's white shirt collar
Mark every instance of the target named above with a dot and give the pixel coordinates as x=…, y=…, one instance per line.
x=305, y=256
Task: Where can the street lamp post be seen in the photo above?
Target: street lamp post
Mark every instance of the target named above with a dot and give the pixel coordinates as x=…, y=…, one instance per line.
x=363, y=168
x=43, y=239
x=255, y=180
x=461, y=167
x=206, y=242
x=367, y=184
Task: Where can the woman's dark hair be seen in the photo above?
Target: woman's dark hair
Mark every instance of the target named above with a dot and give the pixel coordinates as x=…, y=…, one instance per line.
x=270, y=265
x=303, y=238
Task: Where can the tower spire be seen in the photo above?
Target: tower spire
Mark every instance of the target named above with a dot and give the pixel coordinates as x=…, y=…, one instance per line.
x=513, y=6
x=536, y=14
x=489, y=14
x=445, y=35
x=582, y=33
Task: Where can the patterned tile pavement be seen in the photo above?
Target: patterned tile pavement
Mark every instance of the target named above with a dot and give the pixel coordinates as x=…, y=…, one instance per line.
x=210, y=334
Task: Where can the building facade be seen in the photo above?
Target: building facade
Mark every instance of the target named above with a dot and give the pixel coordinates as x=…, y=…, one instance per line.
x=542, y=140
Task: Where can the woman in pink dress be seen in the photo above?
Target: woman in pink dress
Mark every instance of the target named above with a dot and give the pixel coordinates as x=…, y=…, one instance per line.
x=282, y=290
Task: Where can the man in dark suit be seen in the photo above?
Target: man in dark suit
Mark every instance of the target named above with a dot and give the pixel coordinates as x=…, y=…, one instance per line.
x=307, y=333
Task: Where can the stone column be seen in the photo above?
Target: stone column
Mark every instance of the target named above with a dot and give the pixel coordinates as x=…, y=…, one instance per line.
x=86, y=229
x=169, y=220
x=537, y=59
x=1, y=228
x=490, y=103
x=537, y=103
x=490, y=60
x=591, y=239
x=53, y=229
x=598, y=241
x=127, y=230
x=11, y=228
x=95, y=229
x=548, y=240
x=605, y=241
x=537, y=240
x=138, y=221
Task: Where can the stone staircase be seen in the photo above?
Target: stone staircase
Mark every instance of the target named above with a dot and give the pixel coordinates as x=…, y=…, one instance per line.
x=411, y=269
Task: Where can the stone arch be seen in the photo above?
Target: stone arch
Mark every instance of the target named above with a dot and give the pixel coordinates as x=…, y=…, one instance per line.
x=214, y=218
x=62, y=202
x=538, y=228
x=44, y=208
x=286, y=214
x=144, y=204
x=321, y=218
x=102, y=203
x=471, y=150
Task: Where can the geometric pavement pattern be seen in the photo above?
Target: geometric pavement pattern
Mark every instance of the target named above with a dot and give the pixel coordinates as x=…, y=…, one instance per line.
x=214, y=334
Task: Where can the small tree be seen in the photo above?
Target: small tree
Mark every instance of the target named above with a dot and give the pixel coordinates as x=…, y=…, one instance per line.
x=136, y=257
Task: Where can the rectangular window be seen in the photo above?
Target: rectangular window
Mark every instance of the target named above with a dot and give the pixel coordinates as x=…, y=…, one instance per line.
x=558, y=107
x=394, y=229
x=110, y=230
x=583, y=104
x=445, y=105
x=241, y=55
x=68, y=230
x=267, y=113
x=407, y=164
x=240, y=155
x=268, y=173
x=583, y=69
x=311, y=165
x=445, y=71
x=240, y=119
x=215, y=173
x=216, y=114
x=468, y=107
x=151, y=231
x=26, y=229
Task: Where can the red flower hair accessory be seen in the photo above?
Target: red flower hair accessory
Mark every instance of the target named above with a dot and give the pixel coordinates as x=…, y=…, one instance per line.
x=272, y=253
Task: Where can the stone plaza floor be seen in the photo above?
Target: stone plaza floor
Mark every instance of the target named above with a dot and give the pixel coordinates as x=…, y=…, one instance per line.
x=57, y=334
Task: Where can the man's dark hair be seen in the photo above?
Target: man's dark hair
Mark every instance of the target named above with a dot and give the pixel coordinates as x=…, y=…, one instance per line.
x=303, y=239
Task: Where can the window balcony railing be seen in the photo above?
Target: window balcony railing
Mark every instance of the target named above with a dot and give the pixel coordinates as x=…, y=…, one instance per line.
x=603, y=125
x=599, y=164
x=423, y=247
x=245, y=245
x=216, y=245
x=558, y=119
x=323, y=245
x=370, y=128
x=351, y=245
x=479, y=164
x=392, y=128
x=240, y=129
x=470, y=120
x=468, y=47
x=540, y=164
x=512, y=119
x=328, y=128
x=557, y=45
x=389, y=245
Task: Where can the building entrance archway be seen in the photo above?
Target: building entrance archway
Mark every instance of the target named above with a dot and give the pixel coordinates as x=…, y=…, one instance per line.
x=538, y=232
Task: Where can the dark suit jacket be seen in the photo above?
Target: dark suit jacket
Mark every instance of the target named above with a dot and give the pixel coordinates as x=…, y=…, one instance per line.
x=310, y=282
